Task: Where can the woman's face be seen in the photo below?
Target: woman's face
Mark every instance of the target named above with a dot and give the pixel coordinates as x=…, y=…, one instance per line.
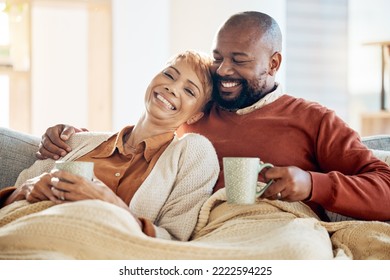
x=175, y=95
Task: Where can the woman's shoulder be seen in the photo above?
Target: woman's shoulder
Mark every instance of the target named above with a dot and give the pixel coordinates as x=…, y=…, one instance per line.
x=194, y=138
x=193, y=142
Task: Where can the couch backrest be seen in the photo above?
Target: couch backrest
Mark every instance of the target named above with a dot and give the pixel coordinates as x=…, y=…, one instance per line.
x=377, y=142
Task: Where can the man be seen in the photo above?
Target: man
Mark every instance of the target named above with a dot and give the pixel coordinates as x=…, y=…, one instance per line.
x=318, y=159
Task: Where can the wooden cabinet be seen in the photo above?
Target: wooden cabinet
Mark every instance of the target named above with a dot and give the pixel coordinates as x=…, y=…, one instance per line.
x=375, y=123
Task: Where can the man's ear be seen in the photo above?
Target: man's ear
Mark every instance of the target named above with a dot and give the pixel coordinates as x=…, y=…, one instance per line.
x=195, y=118
x=275, y=61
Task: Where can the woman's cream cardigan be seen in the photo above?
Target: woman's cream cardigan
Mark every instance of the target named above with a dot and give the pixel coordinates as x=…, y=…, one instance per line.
x=173, y=193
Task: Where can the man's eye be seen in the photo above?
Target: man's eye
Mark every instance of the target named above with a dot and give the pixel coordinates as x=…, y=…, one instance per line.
x=239, y=61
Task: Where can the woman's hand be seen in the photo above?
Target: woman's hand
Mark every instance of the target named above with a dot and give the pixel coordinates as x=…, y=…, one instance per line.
x=33, y=190
x=69, y=187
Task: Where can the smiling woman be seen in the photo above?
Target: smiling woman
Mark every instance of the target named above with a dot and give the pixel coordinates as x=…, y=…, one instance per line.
x=160, y=179
x=180, y=91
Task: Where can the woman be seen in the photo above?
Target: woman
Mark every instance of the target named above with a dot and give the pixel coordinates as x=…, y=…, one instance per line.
x=162, y=180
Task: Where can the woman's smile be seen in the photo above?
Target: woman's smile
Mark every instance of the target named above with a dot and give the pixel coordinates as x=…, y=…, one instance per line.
x=167, y=104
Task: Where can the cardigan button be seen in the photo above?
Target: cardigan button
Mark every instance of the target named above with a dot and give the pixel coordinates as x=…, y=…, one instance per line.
x=117, y=174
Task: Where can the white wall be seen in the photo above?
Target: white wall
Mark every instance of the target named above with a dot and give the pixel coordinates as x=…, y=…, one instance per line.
x=146, y=34
x=368, y=21
x=59, y=66
x=140, y=49
x=195, y=23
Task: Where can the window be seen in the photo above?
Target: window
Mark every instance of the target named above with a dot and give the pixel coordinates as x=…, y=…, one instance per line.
x=4, y=100
x=4, y=62
x=5, y=59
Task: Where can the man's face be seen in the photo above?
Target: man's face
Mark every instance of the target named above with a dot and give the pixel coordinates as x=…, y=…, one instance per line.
x=240, y=69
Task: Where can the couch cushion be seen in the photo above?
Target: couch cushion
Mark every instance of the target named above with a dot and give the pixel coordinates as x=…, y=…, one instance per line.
x=382, y=155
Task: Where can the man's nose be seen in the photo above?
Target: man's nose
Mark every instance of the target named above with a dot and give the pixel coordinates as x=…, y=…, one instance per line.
x=225, y=68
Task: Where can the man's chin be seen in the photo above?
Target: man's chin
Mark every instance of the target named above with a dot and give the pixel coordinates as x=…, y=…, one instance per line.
x=233, y=104
x=230, y=105
x=230, y=100
x=229, y=97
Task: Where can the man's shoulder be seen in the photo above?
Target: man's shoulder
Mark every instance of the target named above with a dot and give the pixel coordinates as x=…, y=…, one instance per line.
x=301, y=103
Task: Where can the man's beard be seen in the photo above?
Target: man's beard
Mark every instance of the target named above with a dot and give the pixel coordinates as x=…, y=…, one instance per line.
x=247, y=97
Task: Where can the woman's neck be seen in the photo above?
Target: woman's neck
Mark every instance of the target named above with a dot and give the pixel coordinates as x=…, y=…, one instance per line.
x=144, y=129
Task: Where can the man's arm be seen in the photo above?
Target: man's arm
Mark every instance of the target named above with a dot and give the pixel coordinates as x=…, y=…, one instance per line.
x=352, y=181
x=53, y=144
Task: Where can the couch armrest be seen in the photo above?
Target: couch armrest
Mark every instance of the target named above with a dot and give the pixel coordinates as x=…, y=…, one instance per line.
x=17, y=152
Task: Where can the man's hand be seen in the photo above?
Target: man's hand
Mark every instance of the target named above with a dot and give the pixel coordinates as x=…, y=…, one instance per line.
x=290, y=184
x=53, y=141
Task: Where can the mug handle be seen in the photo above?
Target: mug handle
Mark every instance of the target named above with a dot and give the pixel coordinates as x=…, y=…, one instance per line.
x=269, y=183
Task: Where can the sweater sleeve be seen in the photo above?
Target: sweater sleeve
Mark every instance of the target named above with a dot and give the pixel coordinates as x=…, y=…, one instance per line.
x=147, y=227
x=81, y=143
x=5, y=193
x=353, y=182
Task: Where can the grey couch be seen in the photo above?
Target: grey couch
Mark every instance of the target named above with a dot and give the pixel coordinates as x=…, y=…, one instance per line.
x=17, y=152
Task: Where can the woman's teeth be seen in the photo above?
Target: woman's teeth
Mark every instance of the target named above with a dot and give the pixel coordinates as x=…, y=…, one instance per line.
x=166, y=102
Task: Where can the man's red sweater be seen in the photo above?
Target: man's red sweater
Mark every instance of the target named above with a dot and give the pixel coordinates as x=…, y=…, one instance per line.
x=346, y=177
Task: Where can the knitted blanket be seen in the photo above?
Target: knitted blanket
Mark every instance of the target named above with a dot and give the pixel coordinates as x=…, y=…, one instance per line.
x=93, y=229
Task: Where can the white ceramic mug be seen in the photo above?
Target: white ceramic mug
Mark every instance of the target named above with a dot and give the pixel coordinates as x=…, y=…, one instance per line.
x=241, y=179
x=81, y=168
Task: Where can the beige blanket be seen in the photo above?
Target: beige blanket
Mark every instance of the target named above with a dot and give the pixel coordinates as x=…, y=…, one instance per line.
x=94, y=229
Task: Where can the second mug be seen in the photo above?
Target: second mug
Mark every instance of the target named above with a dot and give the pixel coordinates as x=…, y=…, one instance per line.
x=241, y=179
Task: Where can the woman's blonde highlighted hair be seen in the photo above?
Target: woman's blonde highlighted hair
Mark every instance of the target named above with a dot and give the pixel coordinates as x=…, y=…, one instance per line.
x=200, y=63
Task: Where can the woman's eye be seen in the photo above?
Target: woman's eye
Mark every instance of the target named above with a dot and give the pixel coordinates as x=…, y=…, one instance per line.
x=168, y=75
x=189, y=91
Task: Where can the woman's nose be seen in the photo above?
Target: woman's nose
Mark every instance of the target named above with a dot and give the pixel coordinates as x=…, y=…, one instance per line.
x=171, y=90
